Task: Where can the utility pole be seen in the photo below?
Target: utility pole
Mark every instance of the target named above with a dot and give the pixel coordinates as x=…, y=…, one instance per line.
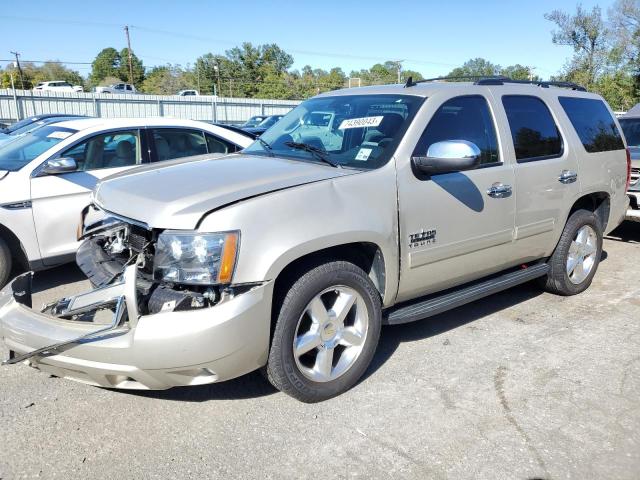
x=399, y=67
x=126, y=31
x=19, y=68
x=531, y=69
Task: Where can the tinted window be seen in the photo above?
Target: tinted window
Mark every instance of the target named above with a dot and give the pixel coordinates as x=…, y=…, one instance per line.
x=108, y=150
x=535, y=134
x=178, y=142
x=593, y=123
x=462, y=118
x=631, y=129
x=218, y=145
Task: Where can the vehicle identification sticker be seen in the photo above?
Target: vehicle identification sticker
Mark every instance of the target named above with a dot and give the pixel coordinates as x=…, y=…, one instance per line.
x=361, y=122
x=60, y=135
x=363, y=154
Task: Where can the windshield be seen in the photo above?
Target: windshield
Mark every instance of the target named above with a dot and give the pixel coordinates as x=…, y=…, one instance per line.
x=16, y=154
x=631, y=129
x=253, y=122
x=267, y=122
x=355, y=131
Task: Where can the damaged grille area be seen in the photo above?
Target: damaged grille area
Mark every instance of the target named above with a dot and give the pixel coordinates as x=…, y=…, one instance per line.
x=114, y=244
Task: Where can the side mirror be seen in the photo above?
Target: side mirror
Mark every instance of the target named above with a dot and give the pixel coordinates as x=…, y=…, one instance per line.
x=449, y=156
x=56, y=166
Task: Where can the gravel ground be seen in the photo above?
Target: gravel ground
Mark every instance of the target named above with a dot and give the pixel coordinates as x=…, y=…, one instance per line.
x=521, y=385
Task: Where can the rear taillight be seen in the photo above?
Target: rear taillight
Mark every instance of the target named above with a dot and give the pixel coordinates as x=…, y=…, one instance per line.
x=626, y=189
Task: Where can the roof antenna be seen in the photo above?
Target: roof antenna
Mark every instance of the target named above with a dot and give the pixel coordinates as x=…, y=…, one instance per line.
x=410, y=83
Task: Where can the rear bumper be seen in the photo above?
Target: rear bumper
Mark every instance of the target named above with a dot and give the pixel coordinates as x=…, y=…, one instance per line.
x=633, y=212
x=148, y=352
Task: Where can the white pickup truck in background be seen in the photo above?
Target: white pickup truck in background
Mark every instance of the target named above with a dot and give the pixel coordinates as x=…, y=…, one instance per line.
x=117, y=88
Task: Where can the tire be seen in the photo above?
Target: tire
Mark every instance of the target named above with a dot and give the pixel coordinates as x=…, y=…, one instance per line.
x=310, y=314
x=5, y=263
x=562, y=279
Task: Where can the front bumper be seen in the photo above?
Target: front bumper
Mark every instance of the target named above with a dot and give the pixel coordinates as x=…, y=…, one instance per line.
x=155, y=352
x=633, y=212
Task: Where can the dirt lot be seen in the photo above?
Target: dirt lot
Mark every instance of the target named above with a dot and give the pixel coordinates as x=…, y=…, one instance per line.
x=521, y=385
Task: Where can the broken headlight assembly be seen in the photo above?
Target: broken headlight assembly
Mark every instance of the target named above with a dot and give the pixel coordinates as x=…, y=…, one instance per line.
x=192, y=258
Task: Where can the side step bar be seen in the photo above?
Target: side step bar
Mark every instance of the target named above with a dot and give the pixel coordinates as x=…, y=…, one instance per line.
x=435, y=305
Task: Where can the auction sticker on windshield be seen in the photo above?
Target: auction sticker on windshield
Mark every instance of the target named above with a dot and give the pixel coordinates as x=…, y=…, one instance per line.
x=361, y=122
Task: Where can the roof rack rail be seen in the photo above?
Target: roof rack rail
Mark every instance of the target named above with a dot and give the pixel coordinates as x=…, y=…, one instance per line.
x=498, y=80
x=539, y=83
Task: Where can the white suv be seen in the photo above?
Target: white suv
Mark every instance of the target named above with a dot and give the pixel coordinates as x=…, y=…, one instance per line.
x=57, y=86
x=47, y=175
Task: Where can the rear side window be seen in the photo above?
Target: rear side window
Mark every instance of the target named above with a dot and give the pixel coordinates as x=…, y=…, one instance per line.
x=631, y=129
x=462, y=118
x=593, y=123
x=535, y=133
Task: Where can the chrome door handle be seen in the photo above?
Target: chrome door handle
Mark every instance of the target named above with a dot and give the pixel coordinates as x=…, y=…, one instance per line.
x=499, y=190
x=567, y=176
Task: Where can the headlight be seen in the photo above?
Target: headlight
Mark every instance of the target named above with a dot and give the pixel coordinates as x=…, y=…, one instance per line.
x=196, y=258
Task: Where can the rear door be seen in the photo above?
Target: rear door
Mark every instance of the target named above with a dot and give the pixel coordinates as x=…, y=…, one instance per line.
x=546, y=172
x=57, y=200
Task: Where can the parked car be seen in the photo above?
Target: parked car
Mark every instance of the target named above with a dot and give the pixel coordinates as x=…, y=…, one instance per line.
x=630, y=124
x=290, y=255
x=188, y=93
x=264, y=125
x=30, y=127
x=22, y=123
x=117, y=88
x=57, y=86
x=46, y=177
x=236, y=129
x=253, y=121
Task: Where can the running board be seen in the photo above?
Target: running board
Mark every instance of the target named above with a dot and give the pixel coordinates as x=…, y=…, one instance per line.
x=435, y=305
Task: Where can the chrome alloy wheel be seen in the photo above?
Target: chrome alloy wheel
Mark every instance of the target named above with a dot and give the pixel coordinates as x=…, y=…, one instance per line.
x=331, y=334
x=582, y=254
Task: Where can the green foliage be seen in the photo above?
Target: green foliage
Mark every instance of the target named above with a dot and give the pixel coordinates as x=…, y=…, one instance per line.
x=168, y=80
x=384, y=73
x=476, y=67
x=32, y=74
x=137, y=67
x=106, y=64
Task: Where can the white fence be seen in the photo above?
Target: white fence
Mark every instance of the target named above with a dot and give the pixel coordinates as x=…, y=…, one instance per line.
x=18, y=104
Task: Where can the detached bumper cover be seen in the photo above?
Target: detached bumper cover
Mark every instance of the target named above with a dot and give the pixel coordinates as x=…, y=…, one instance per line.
x=143, y=352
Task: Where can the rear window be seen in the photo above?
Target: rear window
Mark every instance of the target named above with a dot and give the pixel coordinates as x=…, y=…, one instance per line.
x=593, y=123
x=535, y=133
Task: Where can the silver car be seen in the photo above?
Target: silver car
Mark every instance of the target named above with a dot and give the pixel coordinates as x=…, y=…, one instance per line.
x=290, y=255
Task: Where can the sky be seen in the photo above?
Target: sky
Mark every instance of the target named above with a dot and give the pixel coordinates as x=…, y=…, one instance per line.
x=432, y=37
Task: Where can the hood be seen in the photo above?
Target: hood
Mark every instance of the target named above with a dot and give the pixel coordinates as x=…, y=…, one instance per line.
x=177, y=195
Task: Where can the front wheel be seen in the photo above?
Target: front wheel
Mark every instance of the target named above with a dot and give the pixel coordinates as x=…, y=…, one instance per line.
x=326, y=332
x=576, y=258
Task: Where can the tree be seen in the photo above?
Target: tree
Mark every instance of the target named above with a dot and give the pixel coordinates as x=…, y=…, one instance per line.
x=136, y=63
x=168, y=80
x=476, y=67
x=519, y=72
x=384, y=73
x=106, y=64
x=587, y=34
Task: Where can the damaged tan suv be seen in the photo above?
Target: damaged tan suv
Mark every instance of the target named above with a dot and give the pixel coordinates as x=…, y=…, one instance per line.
x=290, y=255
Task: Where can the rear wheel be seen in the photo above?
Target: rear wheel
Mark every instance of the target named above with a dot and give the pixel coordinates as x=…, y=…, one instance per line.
x=5, y=263
x=577, y=255
x=326, y=332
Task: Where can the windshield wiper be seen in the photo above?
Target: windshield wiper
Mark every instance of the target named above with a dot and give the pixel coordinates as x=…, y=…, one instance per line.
x=266, y=146
x=318, y=153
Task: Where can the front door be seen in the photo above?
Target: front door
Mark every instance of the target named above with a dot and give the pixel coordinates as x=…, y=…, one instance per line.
x=57, y=200
x=456, y=227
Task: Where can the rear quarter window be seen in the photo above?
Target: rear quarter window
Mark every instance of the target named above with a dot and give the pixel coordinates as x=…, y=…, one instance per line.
x=593, y=123
x=533, y=129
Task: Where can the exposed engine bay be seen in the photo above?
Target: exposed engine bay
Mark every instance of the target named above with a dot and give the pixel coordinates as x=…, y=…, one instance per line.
x=112, y=244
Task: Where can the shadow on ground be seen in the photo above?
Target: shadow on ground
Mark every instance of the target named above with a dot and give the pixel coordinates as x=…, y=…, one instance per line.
x=255, y=385
x=627, y=232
